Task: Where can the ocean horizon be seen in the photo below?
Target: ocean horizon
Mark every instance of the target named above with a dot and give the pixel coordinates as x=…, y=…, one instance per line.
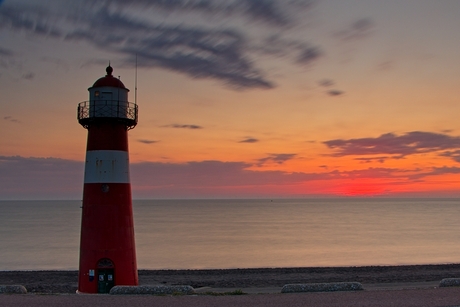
x=244, y=233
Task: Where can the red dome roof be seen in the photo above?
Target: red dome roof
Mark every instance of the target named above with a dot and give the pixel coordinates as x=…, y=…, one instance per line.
x=109, y=80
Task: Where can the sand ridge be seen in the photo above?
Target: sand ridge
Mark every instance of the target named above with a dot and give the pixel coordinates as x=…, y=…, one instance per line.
x=390, y=277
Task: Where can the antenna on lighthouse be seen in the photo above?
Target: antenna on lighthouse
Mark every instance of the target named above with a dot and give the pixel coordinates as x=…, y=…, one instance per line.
x=135, y=83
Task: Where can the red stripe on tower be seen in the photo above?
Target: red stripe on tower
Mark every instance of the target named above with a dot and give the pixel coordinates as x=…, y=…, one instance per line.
x=107, y=249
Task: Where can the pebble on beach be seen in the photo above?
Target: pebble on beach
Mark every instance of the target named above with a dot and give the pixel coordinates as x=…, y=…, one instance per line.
x=322, y=287
x=13, y=289
x=154, y=290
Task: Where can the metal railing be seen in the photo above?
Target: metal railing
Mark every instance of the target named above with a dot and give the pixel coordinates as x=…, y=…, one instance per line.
x=90, y=111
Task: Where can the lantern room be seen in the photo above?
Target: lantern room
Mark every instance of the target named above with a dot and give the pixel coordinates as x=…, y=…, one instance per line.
x=108, y=100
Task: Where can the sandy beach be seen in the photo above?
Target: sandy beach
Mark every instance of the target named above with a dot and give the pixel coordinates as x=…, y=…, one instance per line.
x=263, y=278
x=407, y=285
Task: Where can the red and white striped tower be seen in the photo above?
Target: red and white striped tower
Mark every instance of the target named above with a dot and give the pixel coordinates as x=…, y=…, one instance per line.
x=107, y=249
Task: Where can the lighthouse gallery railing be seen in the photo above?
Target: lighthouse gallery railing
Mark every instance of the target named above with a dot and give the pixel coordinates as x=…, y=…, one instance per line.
x=88, y=111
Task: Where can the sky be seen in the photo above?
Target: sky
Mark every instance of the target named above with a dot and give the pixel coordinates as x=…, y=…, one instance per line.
x=237, y=98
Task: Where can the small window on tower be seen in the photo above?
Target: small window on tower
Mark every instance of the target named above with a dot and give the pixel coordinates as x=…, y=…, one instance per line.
x=96, y=93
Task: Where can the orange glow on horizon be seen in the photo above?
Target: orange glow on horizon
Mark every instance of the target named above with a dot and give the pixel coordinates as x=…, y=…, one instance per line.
x=363, y=188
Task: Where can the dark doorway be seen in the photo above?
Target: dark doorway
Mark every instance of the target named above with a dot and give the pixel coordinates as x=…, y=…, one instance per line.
x=105, y=276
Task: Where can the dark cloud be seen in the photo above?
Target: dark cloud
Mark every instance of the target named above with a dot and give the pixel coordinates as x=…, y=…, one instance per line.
x=436, y=171
x=276, y=158
x=198, y=52
x=270, y=12
x=302, y=53
x=372, y=159
x=52, y=178
x=210, y=174
x=184, y=126
x=454, y=155
x=11, y=119
x=28, y=76
x=40, y=178
x=359, y=29
x=373, y=172
x=415, y=142
x=385, y=65
x=45, y=178
x=147, y=141
x=249, y=140
x=326, y=82
x=5, y=52
x=335, y=92
x=308, y=55
x=32, y=19
x=202, y=52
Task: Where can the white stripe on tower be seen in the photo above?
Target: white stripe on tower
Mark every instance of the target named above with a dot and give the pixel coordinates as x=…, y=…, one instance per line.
x=107, y=166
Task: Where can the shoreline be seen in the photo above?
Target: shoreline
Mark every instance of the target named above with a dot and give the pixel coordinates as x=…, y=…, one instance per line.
x=271, y=279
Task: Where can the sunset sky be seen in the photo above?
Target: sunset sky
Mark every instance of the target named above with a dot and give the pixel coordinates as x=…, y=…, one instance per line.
x=237, y=98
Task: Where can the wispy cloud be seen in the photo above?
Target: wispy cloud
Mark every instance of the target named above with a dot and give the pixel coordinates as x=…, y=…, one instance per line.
x=249, y=140
x=436, y=171
x=454, y=155
x=28, y=76
x=201, y=51
x=358, y=29
x=326, y=82
x=335, y=92
x=182, y=126
x=271, y=12
x=44, y=178
x=300, y=52
x=415, y=142
x=39, y=178
x=380, y=159
x=11, y=119
x=31, y=19
x=144, y=141
x=5, y=52
x=195, y=51
x=276, y=158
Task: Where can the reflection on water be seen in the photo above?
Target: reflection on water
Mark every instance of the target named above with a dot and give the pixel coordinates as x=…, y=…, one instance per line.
x=176, y=234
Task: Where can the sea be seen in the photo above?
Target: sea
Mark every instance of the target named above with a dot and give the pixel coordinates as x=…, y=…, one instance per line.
x=244, y=233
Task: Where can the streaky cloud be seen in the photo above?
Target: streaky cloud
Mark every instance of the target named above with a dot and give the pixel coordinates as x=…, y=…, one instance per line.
x=415, y=142
x=454, y=155
x=198, y=52
x=5, y=52
x=358, y=29
x=276, y=158
x=308, y=55
x=40, y=178
x=144, y=141
x=53, y=178
x=33, y=19
x=184, y=126
x=11, y=119
x=249, y=140
x=436, y=171
x=326, y=82
x=302, y=52
x=222, y=53
x=335, y=92
x=270, y=12
x=28, y=76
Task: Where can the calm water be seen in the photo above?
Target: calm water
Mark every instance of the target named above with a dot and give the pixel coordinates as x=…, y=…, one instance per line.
x=173, y=234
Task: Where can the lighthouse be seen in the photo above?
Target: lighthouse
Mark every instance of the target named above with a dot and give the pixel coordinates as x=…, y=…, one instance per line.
x=107, y=247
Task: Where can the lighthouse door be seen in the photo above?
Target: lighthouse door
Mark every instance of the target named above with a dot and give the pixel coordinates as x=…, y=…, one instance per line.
x=105, y=276
x=106, y=280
